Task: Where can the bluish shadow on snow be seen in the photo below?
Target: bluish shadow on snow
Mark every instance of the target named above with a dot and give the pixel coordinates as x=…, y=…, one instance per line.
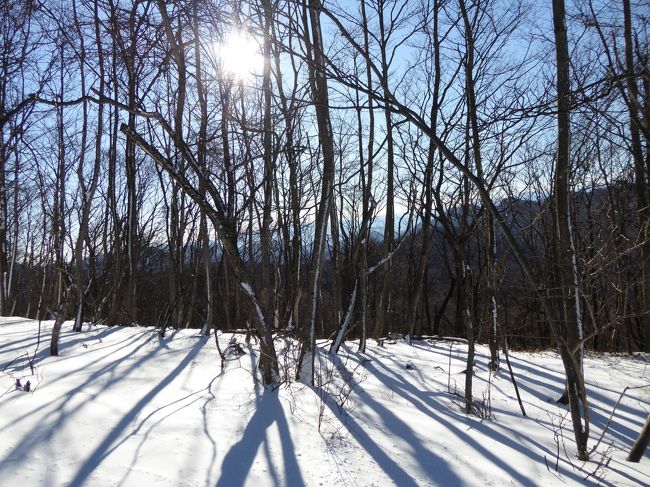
x=105, y=447
x=440, y=412
x=536, y=378
x=15, y=322
x=239, y=459
x=57, y=407
x=56, y=413
x=550, y=380
x=434, y=466
x=171, y=408
x=639, y=474
x=548, y=385
x=68, y=340
x=238, y=462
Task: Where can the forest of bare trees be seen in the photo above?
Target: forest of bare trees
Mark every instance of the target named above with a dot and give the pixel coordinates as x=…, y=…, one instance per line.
x=476, y=169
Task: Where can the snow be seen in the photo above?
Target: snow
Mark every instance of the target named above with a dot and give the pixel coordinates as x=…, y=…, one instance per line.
x=121, y=406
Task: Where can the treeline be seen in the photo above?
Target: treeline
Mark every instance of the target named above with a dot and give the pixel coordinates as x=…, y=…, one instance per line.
x=521, y=319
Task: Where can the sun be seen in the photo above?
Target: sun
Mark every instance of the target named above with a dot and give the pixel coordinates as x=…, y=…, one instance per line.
x=239, y=55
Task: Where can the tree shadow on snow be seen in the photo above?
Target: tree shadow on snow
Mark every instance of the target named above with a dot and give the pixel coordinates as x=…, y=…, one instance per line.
x=105, y=448
x=57, y=407
x=239, y=460
x=536, y=379
x=439, y=411
x=115, y=365
x=432, y=466
x=547, y=386
x=68, y=340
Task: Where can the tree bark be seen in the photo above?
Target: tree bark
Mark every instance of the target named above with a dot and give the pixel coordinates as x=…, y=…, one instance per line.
x=641, y=443
x=319, y=91
x=567, y=265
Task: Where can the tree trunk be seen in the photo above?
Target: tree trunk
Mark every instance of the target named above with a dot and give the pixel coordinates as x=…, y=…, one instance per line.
x=567, y=265
x=318, y=85
x=269, y=169
x=204, y=237
x=385, y=296
x=641, y=443
x=421, y=269
x=641, y=172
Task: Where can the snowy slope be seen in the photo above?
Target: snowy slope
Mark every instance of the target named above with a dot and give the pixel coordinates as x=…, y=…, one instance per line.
x=121, y=406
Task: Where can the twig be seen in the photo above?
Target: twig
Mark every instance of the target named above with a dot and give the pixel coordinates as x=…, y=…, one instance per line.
x=602, y=464
x=449, y=369
x=31, y=359
x=611, y=416
x=12, y=361
x=512, y=376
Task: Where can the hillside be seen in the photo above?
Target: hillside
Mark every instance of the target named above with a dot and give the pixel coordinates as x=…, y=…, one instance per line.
x=121, y=406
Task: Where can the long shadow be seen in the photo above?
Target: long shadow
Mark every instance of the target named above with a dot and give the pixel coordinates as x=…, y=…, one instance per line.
x=600, y=406
x=390, y=467
x=432, y=465
x=412, y=394
x=100, y=453
x=28, y=338
x=616, y=467
x=5, y=323
x=535, y=378
x=67, y=396
x=420, y=400
x=593, y=389
x=68, y=340
x=21, y=344
x=42, y=431
x=275, y=409
x=71, y=339
x=599, y=414
x=238, y=461
x=136, y=454
x=619, y=431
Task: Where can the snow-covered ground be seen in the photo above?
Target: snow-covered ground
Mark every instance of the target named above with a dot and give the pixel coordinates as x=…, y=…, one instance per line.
x=120, y=406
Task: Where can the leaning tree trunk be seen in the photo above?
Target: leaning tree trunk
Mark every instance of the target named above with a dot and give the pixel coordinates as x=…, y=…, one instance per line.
x=641, y=443
x=218, y=214
x=226, y=231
